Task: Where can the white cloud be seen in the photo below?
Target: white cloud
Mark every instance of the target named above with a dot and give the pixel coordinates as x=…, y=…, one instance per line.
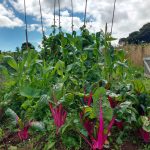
x=8, y=19
x=33, y=27
x=65, y=13
x=130, y=14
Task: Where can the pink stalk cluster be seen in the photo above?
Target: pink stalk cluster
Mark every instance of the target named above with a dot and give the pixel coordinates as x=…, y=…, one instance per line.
x=88, y=99
x=59, y=115
x=23, y=132
x=87, y=123
x=101, y=137
x=145, y=135
x=112, y=102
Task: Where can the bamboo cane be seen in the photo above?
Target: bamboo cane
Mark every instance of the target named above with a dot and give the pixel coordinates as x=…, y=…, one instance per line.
x=113, y=16
x=59, y=16
x=41, y=19
x=85, y=13
x=54, y=16
x=26, y=28
x=72, y=16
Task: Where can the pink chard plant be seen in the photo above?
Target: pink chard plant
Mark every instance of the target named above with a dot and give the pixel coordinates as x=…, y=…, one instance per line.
x=97, y=142
x=23, y=128
x=113, y=104
x=59, y=115
x=88, y=99
x=87, y=123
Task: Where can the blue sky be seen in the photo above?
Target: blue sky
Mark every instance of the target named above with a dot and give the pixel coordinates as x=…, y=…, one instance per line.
x=10, y=38
x=129, y=17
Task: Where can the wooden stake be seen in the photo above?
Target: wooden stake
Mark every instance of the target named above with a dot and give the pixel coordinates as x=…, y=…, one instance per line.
x=113, y=16
x=41, y=19
x=72, y=16
x=26, y=30
x=85, y=13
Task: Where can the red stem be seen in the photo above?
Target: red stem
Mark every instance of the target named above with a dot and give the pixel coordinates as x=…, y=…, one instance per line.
x=85, y=139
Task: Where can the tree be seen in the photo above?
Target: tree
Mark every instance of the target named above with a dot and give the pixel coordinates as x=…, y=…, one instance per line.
x=24, y=48
x=123, y=41
x=133, y=38
x=139, y=37
x=144, y=35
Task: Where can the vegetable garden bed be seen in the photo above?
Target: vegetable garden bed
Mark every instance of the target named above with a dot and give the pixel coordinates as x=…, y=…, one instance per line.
x=79, y=92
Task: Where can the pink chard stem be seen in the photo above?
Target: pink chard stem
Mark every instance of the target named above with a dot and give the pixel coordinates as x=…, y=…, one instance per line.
x=59, y=115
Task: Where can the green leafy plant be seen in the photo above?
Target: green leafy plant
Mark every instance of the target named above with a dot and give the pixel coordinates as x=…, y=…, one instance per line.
x=145, y=122
x=23, y=127
x=1, y=133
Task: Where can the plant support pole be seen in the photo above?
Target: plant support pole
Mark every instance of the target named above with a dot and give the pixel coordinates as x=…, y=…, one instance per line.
x=85, y=13
x=59, y=15
x=26, y=30
x=72, y=16
x=54, y=16
x=113, y=16
x=41, y=18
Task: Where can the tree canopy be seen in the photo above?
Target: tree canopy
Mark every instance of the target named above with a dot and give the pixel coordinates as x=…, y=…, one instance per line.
x=138, y=37
x=24, y=48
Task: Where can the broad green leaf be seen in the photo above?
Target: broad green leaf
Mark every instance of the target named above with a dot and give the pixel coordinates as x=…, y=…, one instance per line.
x=43, y=100
x=11, y=61
x=60, y=65
x=38, y=126
x=28, y=91
x=13, y=116
x=99, y=93
x=107, y=110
